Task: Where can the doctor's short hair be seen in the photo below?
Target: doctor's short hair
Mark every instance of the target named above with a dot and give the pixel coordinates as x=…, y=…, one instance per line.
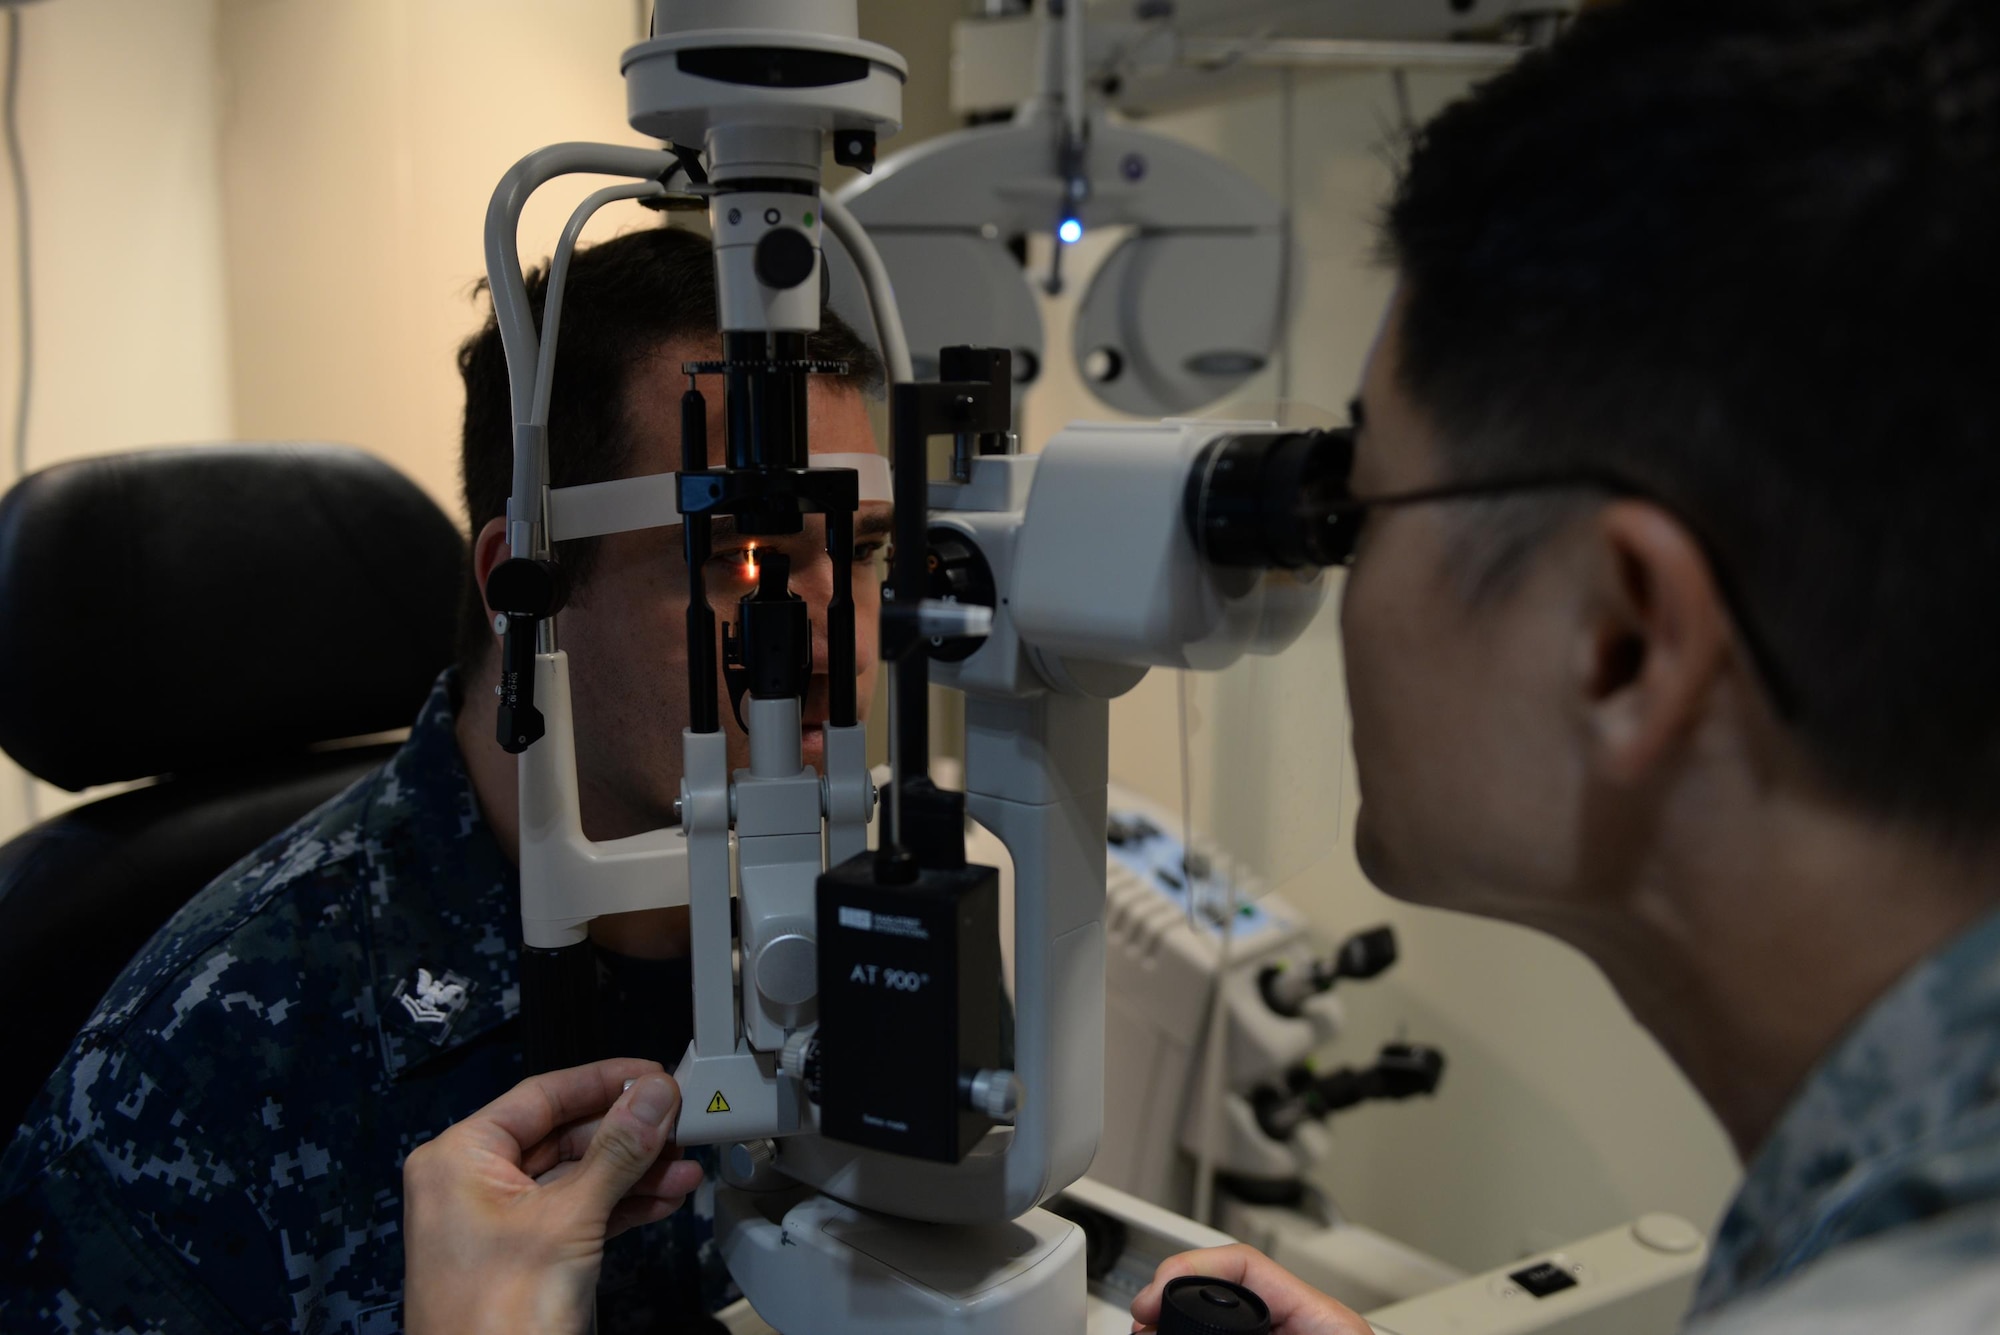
x=1745, y=255
x=623, y=300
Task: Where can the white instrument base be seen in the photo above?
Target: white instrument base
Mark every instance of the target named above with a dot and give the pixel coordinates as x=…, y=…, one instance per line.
x=1631, y=1280
x=1102, y=1317
x=813, y=1266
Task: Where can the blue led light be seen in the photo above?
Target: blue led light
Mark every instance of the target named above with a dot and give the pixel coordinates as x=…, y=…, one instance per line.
x=1071, y=231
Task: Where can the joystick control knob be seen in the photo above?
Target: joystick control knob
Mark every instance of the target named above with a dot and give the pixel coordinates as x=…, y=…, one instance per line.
x=1199, y=1305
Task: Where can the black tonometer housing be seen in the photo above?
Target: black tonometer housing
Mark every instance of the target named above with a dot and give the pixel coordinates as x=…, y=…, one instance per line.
x=770, y=655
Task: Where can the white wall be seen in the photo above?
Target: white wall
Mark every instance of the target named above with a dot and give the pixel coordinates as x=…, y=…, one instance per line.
x=119, y=103
x=1558, y=1115
x=361, y=141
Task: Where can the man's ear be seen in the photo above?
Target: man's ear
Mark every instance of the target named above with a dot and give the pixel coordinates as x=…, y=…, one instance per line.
x=489, y=549
x=1656, y=637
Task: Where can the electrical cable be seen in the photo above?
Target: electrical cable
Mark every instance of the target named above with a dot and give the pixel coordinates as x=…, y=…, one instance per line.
x=1406, y=116
x=1287, y=195
x=1212, y=1055
x=847, y=229
x=17, y=167
x=552, y=299
x=1212, y=1071
x=1075, y=109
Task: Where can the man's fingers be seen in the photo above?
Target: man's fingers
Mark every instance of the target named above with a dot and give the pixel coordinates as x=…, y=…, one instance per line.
x=638, y=1213
x=681, y=1177
x=628, y=1142
x=513, y=1124
x=1220, y=1262
x=663, y=1190
x=1296, y=1307
x=563, y=1147
x=670, y=1175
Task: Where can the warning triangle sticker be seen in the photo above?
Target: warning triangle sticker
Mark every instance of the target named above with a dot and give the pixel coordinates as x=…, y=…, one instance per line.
x=718, y=1103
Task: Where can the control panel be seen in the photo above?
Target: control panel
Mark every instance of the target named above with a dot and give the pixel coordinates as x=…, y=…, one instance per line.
x=1163, y=863
x=1637, y=1277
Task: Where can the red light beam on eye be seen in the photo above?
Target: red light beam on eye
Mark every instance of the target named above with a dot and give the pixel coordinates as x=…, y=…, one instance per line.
x=750, y=562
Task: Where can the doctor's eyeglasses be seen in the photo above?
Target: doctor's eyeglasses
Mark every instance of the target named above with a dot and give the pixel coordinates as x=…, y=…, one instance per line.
x=1345, y=515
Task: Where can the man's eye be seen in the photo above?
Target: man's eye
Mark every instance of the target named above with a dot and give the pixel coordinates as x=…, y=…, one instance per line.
x=873, y=555
x=738, y=564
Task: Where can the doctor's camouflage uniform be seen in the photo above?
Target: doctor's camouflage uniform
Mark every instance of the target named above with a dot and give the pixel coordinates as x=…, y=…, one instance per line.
x=222, y=1148
x=1875, y=1205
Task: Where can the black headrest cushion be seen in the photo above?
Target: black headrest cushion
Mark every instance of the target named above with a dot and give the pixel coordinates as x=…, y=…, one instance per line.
x=170, y=611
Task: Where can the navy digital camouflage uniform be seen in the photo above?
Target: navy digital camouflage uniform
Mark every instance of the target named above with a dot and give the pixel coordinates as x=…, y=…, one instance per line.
x=222, y=1147
x=1875, y=1205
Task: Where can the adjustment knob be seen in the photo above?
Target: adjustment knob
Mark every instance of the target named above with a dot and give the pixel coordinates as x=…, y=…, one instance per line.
x=525, y=588
x=994, y=1094
x=800, y=1061
x=787, y=970
x=785, y=258
x=1367, y=954
x=955, y=571
x=747, y=1158
x=1406, y=1069
x=1198, y=1305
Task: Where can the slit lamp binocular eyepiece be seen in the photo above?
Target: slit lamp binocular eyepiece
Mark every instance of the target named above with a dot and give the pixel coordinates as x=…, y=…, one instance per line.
x=1266, y=500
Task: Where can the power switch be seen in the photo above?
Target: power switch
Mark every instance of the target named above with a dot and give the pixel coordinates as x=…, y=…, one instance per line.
x=1543, y=1278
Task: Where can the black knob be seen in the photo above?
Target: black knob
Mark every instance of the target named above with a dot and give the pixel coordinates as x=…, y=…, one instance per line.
x=1367, y=954
x=956, y=572
x=525, y=588
x=1403, y=1070
x=993, y=366
x=855, y=148
x=524, y=592
x=1198, y=1305
x=770, y=653
x=785, y=258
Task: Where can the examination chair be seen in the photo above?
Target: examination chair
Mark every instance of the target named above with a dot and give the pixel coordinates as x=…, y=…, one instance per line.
x=213, y=619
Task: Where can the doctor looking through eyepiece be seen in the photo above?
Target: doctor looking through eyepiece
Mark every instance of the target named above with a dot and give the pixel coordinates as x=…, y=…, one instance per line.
x=1665, y=631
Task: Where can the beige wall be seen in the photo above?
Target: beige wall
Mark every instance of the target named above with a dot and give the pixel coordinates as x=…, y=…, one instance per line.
x=119, y=103
x=1558, y=1115
x=361, y=141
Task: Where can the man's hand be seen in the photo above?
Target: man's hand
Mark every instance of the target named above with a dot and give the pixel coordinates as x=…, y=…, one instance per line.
x=506, y=1214
x=1296, y=1307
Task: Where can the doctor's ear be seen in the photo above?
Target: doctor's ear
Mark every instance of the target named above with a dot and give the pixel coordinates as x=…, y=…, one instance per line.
x=1656, y=637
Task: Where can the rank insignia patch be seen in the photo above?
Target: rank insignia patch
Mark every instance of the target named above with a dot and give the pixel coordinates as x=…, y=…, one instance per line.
x=435, y=1001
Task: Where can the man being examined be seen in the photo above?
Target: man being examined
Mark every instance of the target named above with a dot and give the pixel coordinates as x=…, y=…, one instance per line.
x=222, y=1148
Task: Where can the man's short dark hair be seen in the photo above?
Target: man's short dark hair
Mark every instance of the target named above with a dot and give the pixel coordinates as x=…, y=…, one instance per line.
x=623, y=300
x=1746, y=254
